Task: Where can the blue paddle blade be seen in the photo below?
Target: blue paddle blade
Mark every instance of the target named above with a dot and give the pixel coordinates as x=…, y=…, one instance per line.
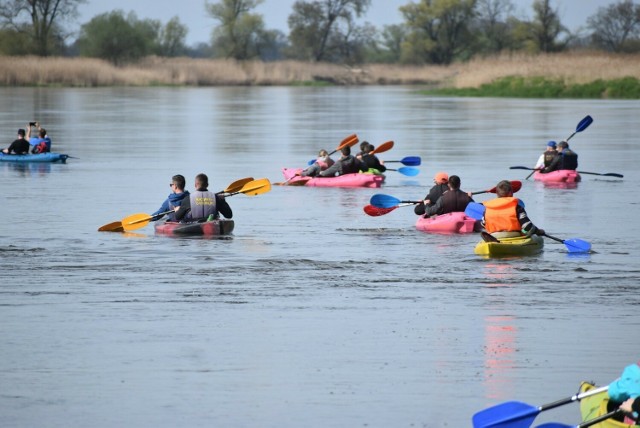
x=475, y=210
x=577, y=245
x=555, y=425
x=384, y=201
x=512, y=414
x=584, y=123
x=408, y=171
x=311, y=162
x=411, y=161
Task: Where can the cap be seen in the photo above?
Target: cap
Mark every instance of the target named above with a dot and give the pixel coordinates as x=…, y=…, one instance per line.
x=441, y=178
x=21, y=132
x=551, y=144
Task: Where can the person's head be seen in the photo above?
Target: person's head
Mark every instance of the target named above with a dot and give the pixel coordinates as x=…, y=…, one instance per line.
x=363, y=146
x=454, y=182
x=202, y=182
x=323, y=153
x=503, y=189
x=21, y=133
x=177, y=183
x=563, y=145
x=42, y=133
x=441, y=178
x=346, y=151
x=369, y=148
x=551, y=145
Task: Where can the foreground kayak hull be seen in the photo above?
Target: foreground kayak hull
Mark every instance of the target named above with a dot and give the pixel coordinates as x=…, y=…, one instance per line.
x=39, y=158
x=597, y=405
x=456, y=222
x=219, y=227
x=516, y=246
x=347, y=180
x=560, y=176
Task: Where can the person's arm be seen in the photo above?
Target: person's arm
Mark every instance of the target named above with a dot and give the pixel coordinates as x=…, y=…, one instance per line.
x=223, y=207
x=434, y=209
x=28, y=136
x=540, y=162
x=183, y=209
x=527, y=225
x=420, y=208
x=331, y=171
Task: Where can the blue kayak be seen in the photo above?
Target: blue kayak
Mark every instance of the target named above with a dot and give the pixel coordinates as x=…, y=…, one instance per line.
x=40, y=157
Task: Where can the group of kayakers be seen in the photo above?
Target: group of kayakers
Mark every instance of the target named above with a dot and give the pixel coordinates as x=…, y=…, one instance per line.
x=556, y=157
x=200, y=205
x=25, y=142
x=364, y=161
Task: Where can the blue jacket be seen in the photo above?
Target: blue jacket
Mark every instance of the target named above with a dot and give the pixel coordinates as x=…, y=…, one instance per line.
x=627, y=386
x=172, y=201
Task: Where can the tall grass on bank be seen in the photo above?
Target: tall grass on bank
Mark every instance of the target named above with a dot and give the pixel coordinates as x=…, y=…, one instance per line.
x=564, y=74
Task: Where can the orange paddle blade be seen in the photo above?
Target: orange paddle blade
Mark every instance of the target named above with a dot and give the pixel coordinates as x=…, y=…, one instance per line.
x=383, y=147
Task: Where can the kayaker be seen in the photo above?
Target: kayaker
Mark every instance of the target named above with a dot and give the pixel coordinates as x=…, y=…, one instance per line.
x=547, y=156
x=41, y=143
x=626, y=390
x=323, y=162
x=632, y=407
x=370, y=160
x=175, y=198
x=441, y=180
x=565, y=158
x=507, y=214
x=453, y=200
x=202, y=204
x=347, y=164
x=19, y=146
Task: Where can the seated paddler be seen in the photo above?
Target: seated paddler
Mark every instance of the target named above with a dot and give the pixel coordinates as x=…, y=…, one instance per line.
x=202, y=205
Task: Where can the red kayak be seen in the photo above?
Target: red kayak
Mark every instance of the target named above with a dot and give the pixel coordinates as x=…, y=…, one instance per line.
x=206, y=228
x=457, y=222
x=347, y=180
x=559, y=176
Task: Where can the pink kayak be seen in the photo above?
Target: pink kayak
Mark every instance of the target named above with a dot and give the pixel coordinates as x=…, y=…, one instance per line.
x=560, y=176
x=457, y=222
x=347, y=180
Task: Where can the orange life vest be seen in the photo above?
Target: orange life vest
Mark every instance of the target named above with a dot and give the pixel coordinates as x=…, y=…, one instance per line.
x=500, y=215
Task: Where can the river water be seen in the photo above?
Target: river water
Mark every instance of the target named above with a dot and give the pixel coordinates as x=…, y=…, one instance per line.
x=312, y=314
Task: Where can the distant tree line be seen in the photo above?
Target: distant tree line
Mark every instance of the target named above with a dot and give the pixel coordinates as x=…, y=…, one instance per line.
x=432, y=32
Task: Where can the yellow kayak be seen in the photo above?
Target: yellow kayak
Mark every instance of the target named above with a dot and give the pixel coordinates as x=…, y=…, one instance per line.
x=597, y=405
x=513, y=246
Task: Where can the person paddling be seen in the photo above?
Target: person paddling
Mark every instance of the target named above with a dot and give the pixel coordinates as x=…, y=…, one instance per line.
x=323, y=162
x=19, y=146
x=347, y=164
x=506, y=216
x=441, y=180
x=175, y=198
x=453, y=200
x=202, y=205
x=547, y=156
x=565, y=158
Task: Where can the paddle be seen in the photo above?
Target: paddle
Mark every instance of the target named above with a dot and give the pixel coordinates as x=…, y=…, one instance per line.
x=351, y=140
x=474, y=210
x=581, y=126
x=574, y=245
x=583, y=424
x=516, y=414
x=236, y=185
x=116, y=226
x=608, y=174
x=406, y=170
x=515, y=186
x=384, y=147
x=408, y=161
x=376, y=212
x=386, y=201
x=253, y=188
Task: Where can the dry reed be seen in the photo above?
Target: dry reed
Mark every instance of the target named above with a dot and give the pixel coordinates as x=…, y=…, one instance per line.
x=574, y=67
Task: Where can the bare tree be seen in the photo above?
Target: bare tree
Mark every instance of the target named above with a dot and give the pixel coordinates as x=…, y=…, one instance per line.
x=546, y=26
x=492, y=22
x=613, y=26
x=44, y=18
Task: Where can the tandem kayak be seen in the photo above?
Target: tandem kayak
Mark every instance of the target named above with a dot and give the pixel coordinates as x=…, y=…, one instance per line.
x=559, y=176
x=512, y=246
x=347, y=180
x=40, y=157
x=457, y=222
x=218, y=227
x=597, y=405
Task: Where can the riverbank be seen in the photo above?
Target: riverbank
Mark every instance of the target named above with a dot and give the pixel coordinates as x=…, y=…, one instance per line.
x=575, y=68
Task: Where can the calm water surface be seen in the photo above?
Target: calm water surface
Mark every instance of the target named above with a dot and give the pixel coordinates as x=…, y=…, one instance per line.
x=312, y=314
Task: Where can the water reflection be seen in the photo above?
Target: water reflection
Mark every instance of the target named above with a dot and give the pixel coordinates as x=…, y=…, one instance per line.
x=28, y=168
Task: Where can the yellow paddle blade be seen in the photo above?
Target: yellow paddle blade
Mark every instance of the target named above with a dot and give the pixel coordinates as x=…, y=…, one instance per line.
x=136, y=221
x=255, y=187
x=237, y=185
x=116, y=226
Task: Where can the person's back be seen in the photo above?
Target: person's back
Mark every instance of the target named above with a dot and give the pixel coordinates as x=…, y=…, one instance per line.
x=174, y=200
x=347, y=164
x=19, y=146
x=453, y=200
x=441, y=185
x=370, y=160
x=203, y=204
x=41, y=143
x=507, y=214
x=547, y=156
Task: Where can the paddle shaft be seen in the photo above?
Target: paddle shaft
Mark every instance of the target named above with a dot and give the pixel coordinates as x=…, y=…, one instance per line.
x=573, y=398
x=600, y=418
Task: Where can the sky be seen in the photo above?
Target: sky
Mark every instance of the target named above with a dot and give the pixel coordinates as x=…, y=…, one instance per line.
x=573, y=13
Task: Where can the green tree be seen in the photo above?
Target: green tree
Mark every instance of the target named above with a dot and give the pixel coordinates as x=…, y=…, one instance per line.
x=546, y=27
x=616, y=27
x=117, y=38
x=240, y=32
x=325, y=30
x=438, y=30
x=171, y=38
x=45, y=19
x=493, y=25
